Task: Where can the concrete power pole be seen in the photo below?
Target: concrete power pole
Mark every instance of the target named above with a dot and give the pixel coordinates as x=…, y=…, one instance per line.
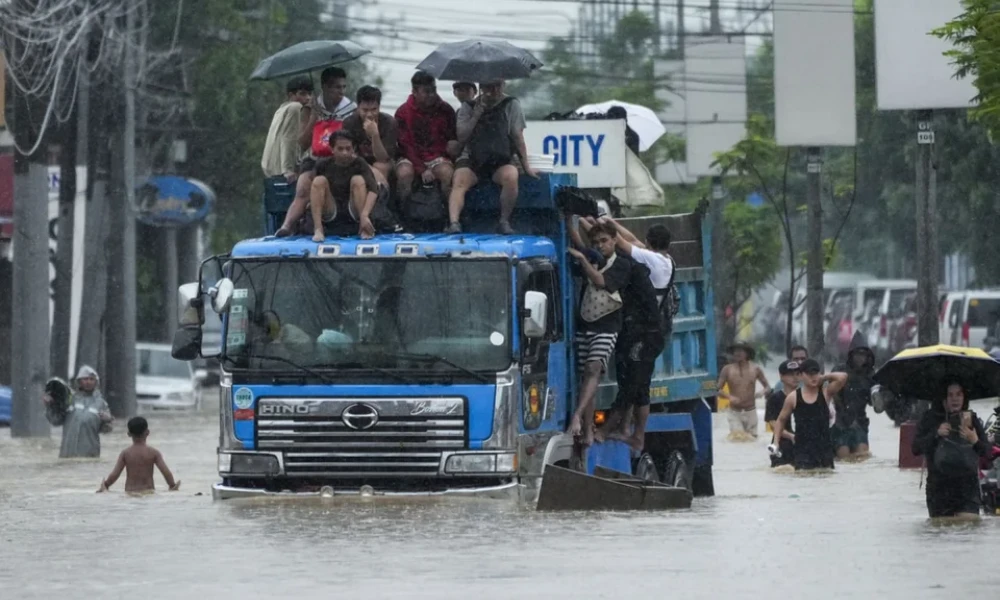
x=927, y=239
x=30, y=299
x=816, y=256
x=63, y=286
x=121, y=306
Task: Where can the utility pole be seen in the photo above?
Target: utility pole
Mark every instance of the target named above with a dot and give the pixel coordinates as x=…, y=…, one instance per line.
x=681, y=31
x=715, y=17
x=30, y=300
x=814, y=267
x=121, y=309
x=98, y=226
x=927, y=239
x=62, y=291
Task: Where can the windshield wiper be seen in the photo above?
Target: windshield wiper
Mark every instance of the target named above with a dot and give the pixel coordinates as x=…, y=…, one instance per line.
x=434, y=359
x=380, y=370
x=289, y=362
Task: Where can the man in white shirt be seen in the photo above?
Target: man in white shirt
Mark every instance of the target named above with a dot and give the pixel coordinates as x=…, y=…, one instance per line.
x=653, y=253
x=281, y=150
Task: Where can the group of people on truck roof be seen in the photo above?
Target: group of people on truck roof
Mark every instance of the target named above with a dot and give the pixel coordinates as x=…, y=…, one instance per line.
x=626, y=309
x=353, y=164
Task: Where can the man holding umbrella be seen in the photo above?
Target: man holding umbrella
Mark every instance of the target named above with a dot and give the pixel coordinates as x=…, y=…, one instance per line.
x=491, y=133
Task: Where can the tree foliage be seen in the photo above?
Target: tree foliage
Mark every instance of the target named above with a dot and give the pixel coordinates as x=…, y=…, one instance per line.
x=976, y=35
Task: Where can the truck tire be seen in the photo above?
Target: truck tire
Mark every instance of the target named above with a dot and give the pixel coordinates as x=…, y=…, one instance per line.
x=702, y=482
x=645, y=468
x=677, y=470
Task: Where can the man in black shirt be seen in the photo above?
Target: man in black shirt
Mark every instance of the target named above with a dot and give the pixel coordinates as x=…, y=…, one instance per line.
x=789, y=373
x=640, y=343
x=344, y=189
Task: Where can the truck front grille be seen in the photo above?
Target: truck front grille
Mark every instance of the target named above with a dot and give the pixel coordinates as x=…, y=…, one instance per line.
x=361, y=438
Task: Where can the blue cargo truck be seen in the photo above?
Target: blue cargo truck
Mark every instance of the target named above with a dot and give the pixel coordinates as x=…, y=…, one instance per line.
x=431, y=363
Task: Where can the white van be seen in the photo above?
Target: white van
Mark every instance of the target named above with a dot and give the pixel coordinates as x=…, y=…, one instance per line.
x=971, y=316
x=949, y=317
x=872, y=303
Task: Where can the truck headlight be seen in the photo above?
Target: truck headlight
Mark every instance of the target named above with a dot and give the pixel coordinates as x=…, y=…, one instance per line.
x=481, y=463
x=248, y=464
x=225, y=462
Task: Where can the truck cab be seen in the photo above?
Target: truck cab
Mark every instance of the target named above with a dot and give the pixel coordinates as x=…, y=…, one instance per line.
x=428, y=363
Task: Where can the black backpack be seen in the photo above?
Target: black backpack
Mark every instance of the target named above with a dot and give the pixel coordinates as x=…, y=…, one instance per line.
x=490, y=145
x=670, y=303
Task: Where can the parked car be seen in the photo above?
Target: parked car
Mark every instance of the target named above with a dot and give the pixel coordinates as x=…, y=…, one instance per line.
x=163, y=382
x=6, y=404
x=979, y=312
x=874, y=301
x=949, y=317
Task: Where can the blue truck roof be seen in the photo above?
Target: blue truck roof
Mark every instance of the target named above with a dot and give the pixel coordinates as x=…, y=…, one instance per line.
x=456, y=245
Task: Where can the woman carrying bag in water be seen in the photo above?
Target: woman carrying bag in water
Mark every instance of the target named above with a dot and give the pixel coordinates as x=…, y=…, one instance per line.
x=951, y=439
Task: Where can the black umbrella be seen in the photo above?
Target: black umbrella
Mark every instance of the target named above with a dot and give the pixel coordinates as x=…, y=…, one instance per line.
x=925, y=373
x=307, y=56
x=479, y=61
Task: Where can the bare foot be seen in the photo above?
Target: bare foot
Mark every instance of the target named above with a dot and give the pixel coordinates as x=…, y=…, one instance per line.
x=283, y=232
x=601, y=434
x=319, y=235
x=588, y=437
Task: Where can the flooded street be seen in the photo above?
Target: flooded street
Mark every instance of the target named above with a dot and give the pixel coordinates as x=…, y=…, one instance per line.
x=862, y=530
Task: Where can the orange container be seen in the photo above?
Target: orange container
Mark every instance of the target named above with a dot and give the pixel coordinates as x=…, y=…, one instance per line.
x=907, y=460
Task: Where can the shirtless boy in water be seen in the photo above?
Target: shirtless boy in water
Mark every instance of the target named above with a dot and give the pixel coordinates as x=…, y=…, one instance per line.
x=137, y=461
x=742, y=377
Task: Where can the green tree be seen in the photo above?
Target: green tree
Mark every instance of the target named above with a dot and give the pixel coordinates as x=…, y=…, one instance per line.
x=976, y=35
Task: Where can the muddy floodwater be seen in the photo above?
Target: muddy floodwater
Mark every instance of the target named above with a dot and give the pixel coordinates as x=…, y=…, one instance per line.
x=860, y=532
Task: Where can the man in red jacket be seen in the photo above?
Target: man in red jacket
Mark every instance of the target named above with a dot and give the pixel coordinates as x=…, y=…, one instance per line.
x=426, y=124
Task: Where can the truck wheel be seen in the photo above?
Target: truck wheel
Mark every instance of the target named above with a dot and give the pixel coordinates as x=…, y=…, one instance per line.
x=676, y=471
x=702, y=483
x=645, y=468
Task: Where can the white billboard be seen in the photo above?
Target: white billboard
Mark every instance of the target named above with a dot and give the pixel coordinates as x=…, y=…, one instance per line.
x=670, y=91
x=814, y=70
x=911, y=70
x=594, y=149
x=715, y=104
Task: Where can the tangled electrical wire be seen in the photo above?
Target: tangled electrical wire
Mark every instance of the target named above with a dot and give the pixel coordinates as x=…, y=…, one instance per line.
x=50, y=44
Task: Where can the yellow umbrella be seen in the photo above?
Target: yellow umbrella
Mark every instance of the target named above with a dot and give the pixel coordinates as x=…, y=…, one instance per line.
x=926, y=372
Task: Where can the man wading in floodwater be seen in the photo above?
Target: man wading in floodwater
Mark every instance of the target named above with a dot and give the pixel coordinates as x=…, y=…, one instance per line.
x=811, y=406
x=742, y=376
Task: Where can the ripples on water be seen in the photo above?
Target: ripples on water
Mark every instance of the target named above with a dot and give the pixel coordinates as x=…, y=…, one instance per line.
x=861, y=530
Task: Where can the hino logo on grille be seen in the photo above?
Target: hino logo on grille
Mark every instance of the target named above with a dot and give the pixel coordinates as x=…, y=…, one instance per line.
x=284, y=409
x=360, y=416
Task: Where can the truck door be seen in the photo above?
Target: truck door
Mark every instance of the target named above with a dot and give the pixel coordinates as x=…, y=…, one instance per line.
x=543, y=361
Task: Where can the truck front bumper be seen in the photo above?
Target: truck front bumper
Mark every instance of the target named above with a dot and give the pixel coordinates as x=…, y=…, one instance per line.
x=506, y=491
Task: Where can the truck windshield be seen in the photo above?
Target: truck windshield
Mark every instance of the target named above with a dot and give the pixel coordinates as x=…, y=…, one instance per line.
x=373, y=314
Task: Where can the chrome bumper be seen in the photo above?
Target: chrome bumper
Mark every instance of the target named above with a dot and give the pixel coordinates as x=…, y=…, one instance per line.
x=507, y=491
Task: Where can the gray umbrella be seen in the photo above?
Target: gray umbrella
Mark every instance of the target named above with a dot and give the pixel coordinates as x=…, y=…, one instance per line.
x=307, y=56
x=479, y=61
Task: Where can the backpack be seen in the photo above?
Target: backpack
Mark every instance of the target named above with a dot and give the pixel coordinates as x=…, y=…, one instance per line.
x=490, y=145
x=955, y=458
x=670, y=304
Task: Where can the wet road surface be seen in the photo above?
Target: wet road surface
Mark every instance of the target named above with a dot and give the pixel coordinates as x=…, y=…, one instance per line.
x=861, y=531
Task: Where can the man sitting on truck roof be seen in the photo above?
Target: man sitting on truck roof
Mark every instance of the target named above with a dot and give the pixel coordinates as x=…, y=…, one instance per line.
x=281, y=149
x=330, y=105
x=426, y=124
x=344, y=190
x=492, y=134
x=374, y=130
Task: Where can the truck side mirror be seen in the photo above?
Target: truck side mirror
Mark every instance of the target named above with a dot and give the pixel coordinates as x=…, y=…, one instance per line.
x=189, y=311
x=536, y=315
x=187, y=343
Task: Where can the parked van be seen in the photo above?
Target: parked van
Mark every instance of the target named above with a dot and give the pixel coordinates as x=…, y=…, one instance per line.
x=873, y=302
x=971, y=317
x=950, y=316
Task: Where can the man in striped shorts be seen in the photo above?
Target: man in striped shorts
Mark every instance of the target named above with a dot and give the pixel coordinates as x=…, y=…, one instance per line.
x=599, y=319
